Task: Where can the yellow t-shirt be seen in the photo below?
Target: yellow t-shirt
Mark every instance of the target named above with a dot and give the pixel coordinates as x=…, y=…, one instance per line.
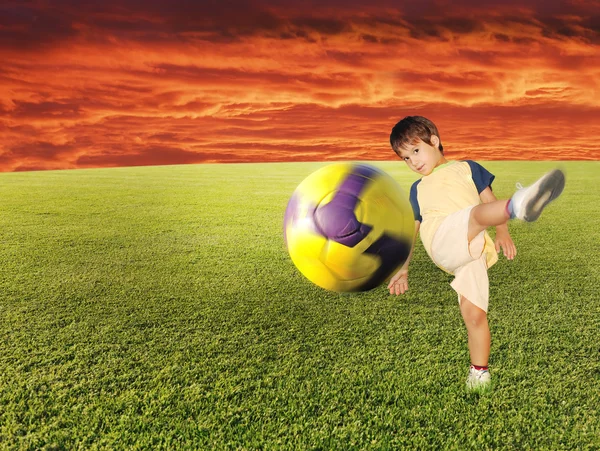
x=451, y=187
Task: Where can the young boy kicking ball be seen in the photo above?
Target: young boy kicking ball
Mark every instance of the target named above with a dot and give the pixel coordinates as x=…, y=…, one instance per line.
x=453, y=205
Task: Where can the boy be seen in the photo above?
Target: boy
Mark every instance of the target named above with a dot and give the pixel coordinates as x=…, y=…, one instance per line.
x=453, y=205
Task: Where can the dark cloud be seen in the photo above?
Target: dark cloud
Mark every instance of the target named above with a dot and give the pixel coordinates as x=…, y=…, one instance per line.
x=202, y=76
x=148, y=156
x=39, y=150
x=327, y=26
x=159, y=156
x=35, y=25
x=45, y=110
x=466, y=79
x=439, y=27
x=27, y=26
x=481, y=57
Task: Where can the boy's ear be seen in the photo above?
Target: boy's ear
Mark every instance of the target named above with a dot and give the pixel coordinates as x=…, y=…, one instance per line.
x=435, y=141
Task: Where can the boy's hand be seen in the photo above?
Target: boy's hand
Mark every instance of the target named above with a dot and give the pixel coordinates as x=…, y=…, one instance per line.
x=399, y=282
x=504, y=241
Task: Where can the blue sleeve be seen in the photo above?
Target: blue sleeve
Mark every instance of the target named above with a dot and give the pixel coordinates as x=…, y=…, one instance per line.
x=414, y=202
x=481, y=176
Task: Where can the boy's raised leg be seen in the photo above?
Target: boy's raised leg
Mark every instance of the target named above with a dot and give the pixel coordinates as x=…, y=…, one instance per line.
x=487, y=215
x=526, y=204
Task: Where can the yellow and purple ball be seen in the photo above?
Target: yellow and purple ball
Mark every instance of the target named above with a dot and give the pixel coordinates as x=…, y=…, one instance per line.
x=348, y=227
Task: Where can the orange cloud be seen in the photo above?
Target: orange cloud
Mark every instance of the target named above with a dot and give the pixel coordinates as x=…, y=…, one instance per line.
x=117, y=84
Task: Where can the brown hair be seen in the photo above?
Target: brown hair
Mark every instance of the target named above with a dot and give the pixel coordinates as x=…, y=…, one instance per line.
x=411, y=128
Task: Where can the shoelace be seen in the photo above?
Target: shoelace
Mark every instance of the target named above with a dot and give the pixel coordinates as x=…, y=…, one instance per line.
x=478, y=373
x=519, y=186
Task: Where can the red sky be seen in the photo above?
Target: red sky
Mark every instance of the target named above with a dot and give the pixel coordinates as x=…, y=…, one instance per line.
x=131, y=82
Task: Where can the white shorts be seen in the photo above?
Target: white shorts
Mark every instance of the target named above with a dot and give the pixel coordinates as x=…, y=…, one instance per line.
x=452, y=252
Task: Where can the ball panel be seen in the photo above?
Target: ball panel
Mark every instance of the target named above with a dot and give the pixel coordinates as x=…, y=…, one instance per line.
x=337, y=221
x=289, y=217
x=348, y=286
x=392, y=254
x=336, y=218
x=323, y=182
x=348, y=264
x=388, y=208
x=306, y=244
x=357, y=180
x=404, y=215
x=317, y=272
x=299, y=216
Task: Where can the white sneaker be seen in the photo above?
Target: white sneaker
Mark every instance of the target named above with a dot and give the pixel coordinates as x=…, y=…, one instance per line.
x=528, y=203
x=478, y=379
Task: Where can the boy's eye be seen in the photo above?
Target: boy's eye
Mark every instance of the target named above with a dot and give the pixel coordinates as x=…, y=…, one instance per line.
x=416, y=151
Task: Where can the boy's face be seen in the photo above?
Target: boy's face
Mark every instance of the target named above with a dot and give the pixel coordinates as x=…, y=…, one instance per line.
x=422, y=157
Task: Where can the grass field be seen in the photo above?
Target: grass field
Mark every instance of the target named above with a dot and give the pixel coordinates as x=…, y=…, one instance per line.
x=157, y=308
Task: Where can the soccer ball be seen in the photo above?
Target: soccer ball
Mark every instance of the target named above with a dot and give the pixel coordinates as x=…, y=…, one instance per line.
x=348, y=227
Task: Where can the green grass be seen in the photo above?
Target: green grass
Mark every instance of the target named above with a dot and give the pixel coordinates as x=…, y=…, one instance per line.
x=157, y=308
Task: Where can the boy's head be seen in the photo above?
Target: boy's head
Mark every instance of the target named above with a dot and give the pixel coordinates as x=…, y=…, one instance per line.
x=410, y=130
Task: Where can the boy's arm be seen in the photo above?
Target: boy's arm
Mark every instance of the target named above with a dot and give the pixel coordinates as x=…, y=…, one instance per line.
x=399, y=281
x=503, y=239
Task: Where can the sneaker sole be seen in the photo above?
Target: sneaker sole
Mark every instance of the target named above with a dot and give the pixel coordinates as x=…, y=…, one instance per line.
x=550, y=188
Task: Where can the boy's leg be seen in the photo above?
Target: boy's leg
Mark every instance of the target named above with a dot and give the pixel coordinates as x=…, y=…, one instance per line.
x=479, y=332
x=526, y=204
x=487, y=215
